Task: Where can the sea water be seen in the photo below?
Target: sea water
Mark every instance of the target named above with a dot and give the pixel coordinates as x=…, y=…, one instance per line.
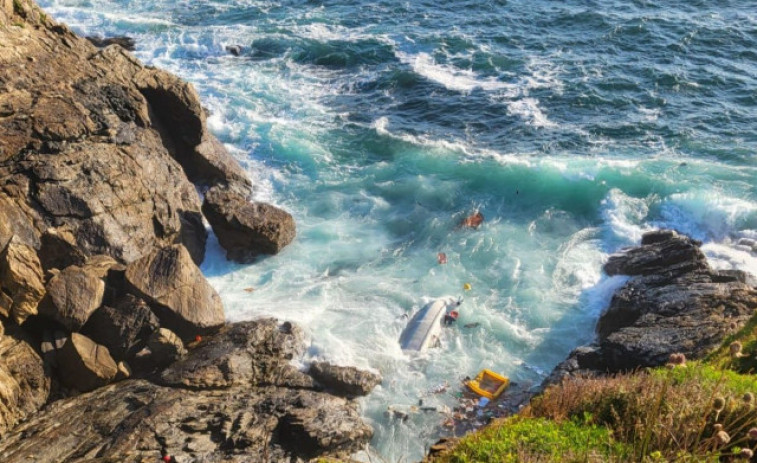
x=573, y=126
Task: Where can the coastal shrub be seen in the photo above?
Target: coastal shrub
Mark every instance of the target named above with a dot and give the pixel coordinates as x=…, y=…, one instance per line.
x=521, y=439
x=746, y=360
x=693, y=413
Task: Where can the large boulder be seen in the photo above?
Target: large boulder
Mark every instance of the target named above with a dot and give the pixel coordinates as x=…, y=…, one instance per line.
x=24, y=384
x=21, y=281
x=72, y=296
x=181, y=297
x=247, y=229
x=344, y=381
x=123, y=328
x=255, y=353
x=85, y=365
x=675, y=303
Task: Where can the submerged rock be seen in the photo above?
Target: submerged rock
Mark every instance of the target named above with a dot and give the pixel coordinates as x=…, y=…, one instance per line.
x=127, y=43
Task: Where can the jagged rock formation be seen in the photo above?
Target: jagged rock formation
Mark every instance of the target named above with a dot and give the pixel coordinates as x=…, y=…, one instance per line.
x=675, y=303
x=235, y=398
x=101, y=232
x=344, y=381
x=25, y=386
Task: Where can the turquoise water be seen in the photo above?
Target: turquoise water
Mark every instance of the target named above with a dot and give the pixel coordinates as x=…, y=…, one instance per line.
x=573, y=127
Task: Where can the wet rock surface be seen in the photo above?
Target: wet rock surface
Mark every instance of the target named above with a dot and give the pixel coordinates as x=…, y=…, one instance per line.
x=674, y=303
x=344, y=381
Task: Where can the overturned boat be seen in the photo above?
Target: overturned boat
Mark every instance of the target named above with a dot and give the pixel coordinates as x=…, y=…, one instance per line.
x=424, y=328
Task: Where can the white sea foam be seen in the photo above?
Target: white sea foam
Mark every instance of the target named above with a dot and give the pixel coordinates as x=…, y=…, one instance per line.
x=452, y=78
x=707, y=215
x=625, y=216
x=529, y=110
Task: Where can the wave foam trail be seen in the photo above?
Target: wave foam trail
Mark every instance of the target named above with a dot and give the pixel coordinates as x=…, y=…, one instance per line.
x=452, y=78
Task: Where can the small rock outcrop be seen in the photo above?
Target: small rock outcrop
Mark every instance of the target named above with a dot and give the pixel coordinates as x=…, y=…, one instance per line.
x=24, y=384
x=171, y=283
x=163, y=348
x=72, y=296
x=245, y=354
x=87, y=365
x=344, y=381
x=247, y=229
x=127, y=43
x=21, y=281
x=674, y=303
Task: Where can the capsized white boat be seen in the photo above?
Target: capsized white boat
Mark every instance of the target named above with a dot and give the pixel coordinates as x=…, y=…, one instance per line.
x=424, y=327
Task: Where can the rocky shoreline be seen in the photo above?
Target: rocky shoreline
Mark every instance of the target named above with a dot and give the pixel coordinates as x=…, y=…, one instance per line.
x=113, y=346
x=674, y=303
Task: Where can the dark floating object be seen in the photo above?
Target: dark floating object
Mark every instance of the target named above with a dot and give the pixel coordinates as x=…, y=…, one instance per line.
x=127, y=43
x=235, y=50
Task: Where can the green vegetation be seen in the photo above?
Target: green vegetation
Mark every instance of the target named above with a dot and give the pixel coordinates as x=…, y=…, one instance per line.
x=521, y=439
x=18, y=8
x=696, y=412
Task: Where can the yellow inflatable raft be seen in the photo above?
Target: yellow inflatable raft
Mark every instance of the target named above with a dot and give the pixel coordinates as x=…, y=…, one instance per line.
x=488, y=384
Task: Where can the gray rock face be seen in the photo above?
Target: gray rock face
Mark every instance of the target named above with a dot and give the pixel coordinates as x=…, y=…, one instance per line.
x=85, y=365
x=24, y=384
x=72, y=296
x=244, y=229
x=660, y=251
x=230, y=416
x=344, y=381
x=675, y=304
x=124, y=328
x=171, y=283
x=253, y=353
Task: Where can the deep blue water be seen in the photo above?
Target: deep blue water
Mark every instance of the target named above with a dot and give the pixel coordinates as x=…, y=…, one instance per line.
x=573, y=126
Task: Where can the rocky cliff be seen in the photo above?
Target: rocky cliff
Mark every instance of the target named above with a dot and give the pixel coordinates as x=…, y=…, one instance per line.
x=674, y=303
x=102, y=165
